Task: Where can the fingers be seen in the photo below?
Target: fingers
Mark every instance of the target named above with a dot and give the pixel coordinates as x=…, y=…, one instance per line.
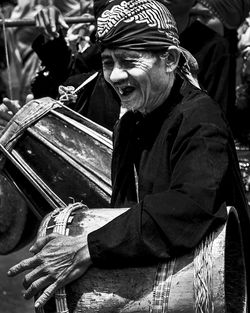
x=45, y=24
x=39, y=22
x=5, y=114
x=23, y=266
x=49, y=21
x=34, y=275
x=3, y=123
x=29, y=97
x=46, y=295
x=65, y=278
x=7, y=109
x=36, y=287
x=62, y=22
x=41, y=242
x=53, y=15
x=56, y=265
x=12, y=105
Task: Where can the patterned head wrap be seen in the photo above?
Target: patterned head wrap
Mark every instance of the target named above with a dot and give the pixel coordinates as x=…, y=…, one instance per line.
x=231, y=13
x=145, y=25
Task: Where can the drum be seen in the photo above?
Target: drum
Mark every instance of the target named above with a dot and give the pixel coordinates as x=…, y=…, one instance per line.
x=212, y=278
x=52, y=156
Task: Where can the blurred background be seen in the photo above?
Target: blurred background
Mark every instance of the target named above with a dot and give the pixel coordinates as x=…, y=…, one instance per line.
x=11, y=289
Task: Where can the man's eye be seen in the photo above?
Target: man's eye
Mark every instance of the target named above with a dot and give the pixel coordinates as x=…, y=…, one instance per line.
x=107, y=63
x=127, y=63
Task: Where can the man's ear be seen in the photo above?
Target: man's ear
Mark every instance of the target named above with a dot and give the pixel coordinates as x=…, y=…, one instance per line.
x=172, y=59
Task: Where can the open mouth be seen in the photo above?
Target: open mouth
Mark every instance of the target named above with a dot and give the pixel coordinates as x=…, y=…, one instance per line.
x=125, y=91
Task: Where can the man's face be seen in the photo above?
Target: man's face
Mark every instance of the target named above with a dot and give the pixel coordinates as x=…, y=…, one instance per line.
x=139, y=78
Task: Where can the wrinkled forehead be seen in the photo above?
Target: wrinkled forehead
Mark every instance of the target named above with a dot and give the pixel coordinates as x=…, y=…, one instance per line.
x=125, y=53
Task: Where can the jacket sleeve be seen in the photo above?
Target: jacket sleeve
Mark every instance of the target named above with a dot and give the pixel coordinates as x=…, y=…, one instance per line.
x=171, y=222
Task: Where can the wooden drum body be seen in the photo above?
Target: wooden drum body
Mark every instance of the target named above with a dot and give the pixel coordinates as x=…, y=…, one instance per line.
x=211, y=278
x=53, y=156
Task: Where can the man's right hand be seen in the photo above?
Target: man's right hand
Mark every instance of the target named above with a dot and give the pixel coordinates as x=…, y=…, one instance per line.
x=49, y=20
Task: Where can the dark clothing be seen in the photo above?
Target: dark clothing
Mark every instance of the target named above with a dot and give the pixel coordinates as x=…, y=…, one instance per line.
x=216, y=64
x=187, y=172
x=97, y=101
x=58, y=59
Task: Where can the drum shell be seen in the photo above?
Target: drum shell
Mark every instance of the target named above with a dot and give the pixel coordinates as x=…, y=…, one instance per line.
x=72, y=163
x=132, y=289
x=60, y=158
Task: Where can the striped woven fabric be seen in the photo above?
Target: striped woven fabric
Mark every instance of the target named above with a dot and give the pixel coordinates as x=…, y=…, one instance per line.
x=162, y=285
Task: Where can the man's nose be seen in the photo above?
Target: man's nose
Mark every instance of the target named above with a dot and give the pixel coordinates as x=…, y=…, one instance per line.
x=118, y=74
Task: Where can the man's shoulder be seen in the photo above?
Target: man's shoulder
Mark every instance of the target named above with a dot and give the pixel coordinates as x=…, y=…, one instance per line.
x=198, y=107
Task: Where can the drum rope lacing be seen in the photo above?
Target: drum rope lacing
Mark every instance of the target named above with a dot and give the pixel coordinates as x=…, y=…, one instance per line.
x=61, y=217
x=203, y=268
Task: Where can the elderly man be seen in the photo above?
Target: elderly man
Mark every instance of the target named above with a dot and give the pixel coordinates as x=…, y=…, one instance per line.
x=174, y=162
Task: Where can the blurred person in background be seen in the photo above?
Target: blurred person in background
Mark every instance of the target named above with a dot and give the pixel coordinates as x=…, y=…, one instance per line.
x=215, y=31
x=223, y=17
x=243, y=86
x=24, y=61
x=6, y=8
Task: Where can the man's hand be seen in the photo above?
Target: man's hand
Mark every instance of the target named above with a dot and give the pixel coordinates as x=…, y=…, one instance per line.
x=57, y=261
x=8, y=108
x=49, y=20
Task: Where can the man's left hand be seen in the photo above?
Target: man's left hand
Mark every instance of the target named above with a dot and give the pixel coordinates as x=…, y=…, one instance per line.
x=8, y=108
x=57, y=261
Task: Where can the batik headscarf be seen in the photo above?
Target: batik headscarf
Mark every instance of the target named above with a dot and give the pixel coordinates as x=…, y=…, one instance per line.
x=231, y=13
x=143, y=25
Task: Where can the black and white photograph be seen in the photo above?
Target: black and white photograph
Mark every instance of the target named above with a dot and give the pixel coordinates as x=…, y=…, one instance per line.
x=124, y=156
